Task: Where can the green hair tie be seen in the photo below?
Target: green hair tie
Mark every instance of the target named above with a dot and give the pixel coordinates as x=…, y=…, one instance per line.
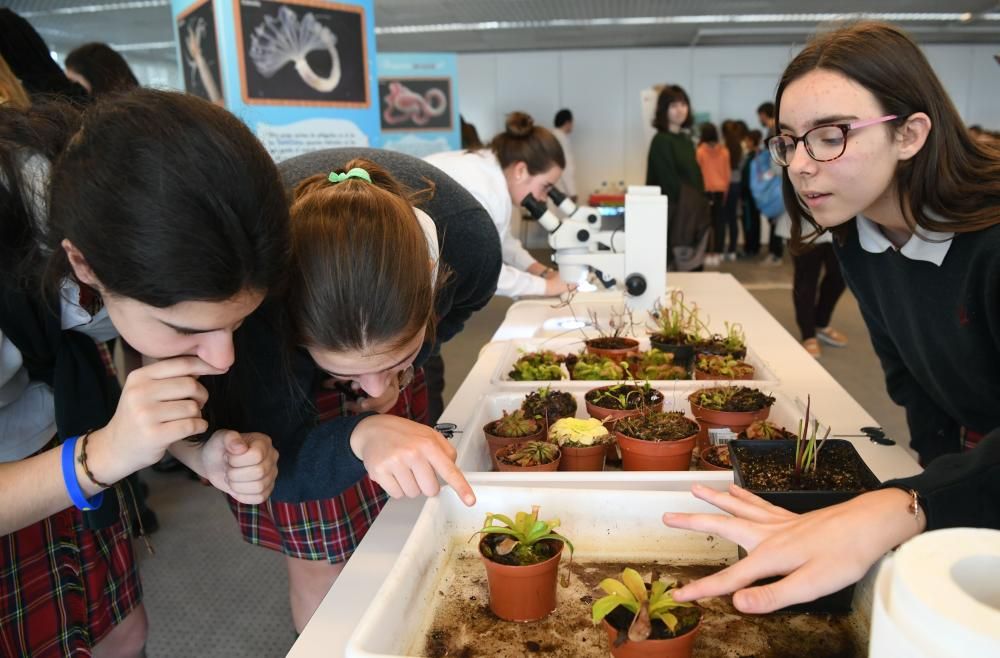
x=357, y=172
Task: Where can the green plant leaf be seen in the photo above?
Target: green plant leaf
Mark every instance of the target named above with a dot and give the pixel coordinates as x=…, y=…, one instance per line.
x=659, y=587
x=634, y=582
x=501, y=518
x=616, y=588
x=667, y=618
x=603, y=606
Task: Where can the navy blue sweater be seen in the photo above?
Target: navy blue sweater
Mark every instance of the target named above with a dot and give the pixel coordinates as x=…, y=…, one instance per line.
x=936, y=330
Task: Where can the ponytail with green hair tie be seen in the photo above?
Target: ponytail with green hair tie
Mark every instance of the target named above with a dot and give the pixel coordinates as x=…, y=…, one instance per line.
x=356, y=172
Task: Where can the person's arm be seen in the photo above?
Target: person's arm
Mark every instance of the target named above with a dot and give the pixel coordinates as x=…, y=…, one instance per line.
x=818, y=553
x=661, y=169
x=243, y=466
x=515, y=283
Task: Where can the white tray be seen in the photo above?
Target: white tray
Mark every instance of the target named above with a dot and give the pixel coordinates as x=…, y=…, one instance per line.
x=473, y=451
x=763, y=374
x=604, y=526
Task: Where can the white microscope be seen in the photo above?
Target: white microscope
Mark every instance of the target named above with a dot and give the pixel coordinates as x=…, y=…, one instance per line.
x=636, y=256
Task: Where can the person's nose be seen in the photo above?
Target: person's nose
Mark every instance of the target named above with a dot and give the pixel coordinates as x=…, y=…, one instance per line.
x=801, y=163
x=216, y=349
x=374, y=384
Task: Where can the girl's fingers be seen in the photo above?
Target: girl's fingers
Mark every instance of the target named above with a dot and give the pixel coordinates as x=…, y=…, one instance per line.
x=736, y=530
x=753, y=510
x=424, y=475
x=165, y=412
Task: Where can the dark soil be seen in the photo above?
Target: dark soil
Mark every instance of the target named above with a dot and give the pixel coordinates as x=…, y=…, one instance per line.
x=733, y=398
x=611, y=343
x=718, y=457
x=657, y=426
x=552, y=407
x=520, y=556
x=839, y=469
x=461, y=623
x=636, y=397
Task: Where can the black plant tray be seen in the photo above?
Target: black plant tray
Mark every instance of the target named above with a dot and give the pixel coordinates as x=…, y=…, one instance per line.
x=801, y=502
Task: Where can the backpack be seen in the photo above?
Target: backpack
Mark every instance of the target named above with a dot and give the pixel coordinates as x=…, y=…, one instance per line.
x=765, y=185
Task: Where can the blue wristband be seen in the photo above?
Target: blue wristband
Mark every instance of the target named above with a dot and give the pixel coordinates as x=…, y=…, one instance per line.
x=71, y=481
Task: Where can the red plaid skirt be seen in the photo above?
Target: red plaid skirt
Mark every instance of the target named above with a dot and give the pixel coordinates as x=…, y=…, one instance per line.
x=63, y=587
x=328, y=529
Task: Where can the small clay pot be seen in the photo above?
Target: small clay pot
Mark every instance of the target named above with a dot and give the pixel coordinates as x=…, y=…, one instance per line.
x=675, y=647
x=616, y=354
x=641, y=455
x=737, y=421
x=589, y=458
x=601, y=413
x=525, y=593
x=496, y=442
x=706, y=465
x=510, y=468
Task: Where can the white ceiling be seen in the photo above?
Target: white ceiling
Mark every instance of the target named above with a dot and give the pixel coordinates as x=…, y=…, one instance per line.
x=143, y=27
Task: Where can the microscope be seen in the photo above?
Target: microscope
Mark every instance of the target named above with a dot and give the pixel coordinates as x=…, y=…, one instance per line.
x=636, y=257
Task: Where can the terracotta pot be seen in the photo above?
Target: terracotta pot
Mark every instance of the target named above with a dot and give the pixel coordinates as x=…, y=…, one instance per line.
x=701, y=374
x=675, y=647
x=640, y=455
x=737, y=421
x=522, y=593
x=601, y=414
x=615, y=354
x=590, y=458
x=496, y=442
x=509, y=468
x=706, y=465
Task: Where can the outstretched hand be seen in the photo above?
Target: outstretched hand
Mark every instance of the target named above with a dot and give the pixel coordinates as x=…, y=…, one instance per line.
x=406, y=458
x=817, y=553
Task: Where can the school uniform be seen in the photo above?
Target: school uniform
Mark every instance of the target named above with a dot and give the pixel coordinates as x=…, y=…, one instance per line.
x=323, y=501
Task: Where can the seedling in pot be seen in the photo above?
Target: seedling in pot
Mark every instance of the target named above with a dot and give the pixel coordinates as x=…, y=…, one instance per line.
x=677, y=323
x=529, y=453
x=657, y=426
x=647, y=604
x=549, y=405
x=655, y=365
x=723, y=366
x=806, y=447
x=514, y=425
x=593, y=367
x=579, y=433
x=731, y=398
x=624, y=396
x=765, y=430
x=614, y=337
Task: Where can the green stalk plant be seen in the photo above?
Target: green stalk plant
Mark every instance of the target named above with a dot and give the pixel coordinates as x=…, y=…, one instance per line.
x=523, y=535
x=806, y=446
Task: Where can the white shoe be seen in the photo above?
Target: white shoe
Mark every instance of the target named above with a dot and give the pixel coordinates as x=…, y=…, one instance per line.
x=731, y=256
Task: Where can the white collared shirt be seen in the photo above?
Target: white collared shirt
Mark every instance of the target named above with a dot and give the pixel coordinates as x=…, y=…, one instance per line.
x=929, y=246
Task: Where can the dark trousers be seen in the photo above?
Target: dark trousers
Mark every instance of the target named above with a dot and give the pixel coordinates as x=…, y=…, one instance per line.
x=718, y=241
x=434, y=378
x=730, y=212
x=812, y=310
x=776, y=245
x=751, y=226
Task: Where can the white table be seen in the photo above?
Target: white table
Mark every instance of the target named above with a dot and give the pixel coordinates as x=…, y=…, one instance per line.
x=720, y=297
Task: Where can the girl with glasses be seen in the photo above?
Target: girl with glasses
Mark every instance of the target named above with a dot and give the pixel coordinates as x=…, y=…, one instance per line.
x=390, y=258
x=876, y=153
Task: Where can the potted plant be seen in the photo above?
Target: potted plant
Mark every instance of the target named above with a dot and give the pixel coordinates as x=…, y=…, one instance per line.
x=803, y=475
x=528, y=456
x=734, y=407
x=715, y=458
x=656, y=365
x=721, y=366
x=644, y=620
x=656, y=441
x=583, y=443
x=549, y=405
x=592, y=367
x=764, y=430
x=733, y=343
x=522, y=563
x=512, y=428
x=677, y=328
x=612, y=342
x=620, y=400
x=539, y=366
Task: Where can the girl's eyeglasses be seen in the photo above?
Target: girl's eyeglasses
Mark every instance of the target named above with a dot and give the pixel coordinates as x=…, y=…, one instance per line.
x=823, y=143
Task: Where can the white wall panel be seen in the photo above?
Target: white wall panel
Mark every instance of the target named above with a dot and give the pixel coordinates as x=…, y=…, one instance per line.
x=528, y=82
x=477, y=92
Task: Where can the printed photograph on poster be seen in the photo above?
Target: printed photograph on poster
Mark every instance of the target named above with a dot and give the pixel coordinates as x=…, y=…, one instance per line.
x=199, y=46
x=409, y=104
x=302, y=52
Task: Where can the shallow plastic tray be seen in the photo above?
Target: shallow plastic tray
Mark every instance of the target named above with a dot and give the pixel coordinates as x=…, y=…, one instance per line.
x=574, y=344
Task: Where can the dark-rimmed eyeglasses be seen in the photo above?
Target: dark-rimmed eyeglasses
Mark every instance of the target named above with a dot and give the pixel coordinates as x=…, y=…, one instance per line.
x=823, y=143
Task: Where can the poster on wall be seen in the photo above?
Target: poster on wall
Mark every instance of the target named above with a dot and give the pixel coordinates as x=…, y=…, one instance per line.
x=197, y=36
x=302, y=52
x=418, y=111
x=300, y=73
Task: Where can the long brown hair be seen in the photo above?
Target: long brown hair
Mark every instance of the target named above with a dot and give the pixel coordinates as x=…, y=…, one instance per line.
x=952, y=175
x=523, y=141
x=361, y=275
